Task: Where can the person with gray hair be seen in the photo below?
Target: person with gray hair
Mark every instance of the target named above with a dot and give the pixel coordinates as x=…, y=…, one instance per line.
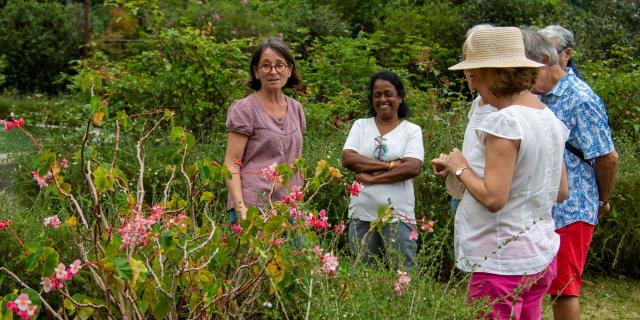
x=562, y=40
x=591, y=161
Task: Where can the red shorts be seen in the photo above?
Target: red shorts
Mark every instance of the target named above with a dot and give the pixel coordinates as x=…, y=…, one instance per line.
x=574, y=246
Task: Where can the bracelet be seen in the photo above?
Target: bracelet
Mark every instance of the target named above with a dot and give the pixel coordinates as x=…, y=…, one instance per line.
x=392, y=165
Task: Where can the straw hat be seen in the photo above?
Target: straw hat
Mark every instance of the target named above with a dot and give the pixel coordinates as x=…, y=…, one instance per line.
x=497, y=47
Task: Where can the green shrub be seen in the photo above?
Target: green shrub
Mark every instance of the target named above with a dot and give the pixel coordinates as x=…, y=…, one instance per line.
x=617, y=81
x=38, y=40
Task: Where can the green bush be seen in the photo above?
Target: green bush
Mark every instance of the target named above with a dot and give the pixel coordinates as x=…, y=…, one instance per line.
x=38, y=40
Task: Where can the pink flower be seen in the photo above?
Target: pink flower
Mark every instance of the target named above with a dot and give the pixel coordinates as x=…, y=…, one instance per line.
x=277, y=243
x=61, y=272
x=427, y=226
x=5, y=224
x=10, y=124
x=339, y=228
x=413, y=235
x=270, y=173
x=216, y=17
x=11, y=305
x=318, y=223
x=355, y=188
x=293, y=198
x=46, y=284
x=157, y=212
x=329, y=264
x=75, y=267
x=23, y=302
x=244, y=2
x=402, y=283
x=32, y=311
x=40, y=180
x=64, y=163
x=317, y=250
x=53, y=222
x=237, y=229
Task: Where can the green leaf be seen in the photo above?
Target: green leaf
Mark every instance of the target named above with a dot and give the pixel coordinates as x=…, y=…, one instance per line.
x=139, y=271
x=166, y=239
x=4, y=312
x=162, y=307
x=51, y=260
x=123, y=269
x=206, y=196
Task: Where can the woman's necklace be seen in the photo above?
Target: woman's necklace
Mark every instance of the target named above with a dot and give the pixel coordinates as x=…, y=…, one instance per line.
x=384, y=129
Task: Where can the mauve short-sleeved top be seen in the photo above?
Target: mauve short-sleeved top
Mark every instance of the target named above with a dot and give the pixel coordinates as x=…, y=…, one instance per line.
x=270, y=141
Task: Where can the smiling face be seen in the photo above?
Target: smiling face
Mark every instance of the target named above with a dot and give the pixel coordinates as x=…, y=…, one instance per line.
x=272, y=80
x=386, y=100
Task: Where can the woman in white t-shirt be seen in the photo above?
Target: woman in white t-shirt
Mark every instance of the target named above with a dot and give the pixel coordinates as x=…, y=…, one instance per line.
x=386, y=152
x=504, y=232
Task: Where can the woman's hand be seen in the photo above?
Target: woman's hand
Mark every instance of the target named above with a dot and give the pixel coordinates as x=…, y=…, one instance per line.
x=451, y=162
x=456, y=160
x=439, y=165
x=364, y=178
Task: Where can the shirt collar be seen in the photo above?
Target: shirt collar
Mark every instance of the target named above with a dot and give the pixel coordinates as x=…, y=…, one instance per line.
x=563, y=84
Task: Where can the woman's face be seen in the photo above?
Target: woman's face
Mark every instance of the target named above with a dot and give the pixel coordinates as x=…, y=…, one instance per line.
x=476, y=78
x=273, y=79
x=385, y=99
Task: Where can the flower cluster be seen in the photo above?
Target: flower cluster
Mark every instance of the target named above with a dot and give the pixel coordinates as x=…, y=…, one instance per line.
x=402, y=283
x=340, y=227
x=271, y=174
x=237, y=229
x=10, y=124
x=53, y=222
x=60, y=276
x=329, y=262
x=318, y=223
x=137, y=231
x=42, y=181
x=426, y=225
x=413, y=235
x=22, y=307
x=5, y=224
x=355, y=188
x=293, y=198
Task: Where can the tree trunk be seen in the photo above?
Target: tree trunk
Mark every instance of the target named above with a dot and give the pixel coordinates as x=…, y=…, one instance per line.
x=86, y=19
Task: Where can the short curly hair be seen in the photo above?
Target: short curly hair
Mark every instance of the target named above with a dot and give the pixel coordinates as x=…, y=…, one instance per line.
x=283, y=51
x=508, y=81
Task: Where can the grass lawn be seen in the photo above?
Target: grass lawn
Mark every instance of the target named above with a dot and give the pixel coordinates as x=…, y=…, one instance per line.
x=606, y=298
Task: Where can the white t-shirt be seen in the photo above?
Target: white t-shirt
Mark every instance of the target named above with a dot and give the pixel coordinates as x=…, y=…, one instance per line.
x=403, y=141
x=520, y=238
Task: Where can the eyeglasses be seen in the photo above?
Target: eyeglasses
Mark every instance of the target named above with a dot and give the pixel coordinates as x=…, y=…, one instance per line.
x=280, y=67
x=380, y=150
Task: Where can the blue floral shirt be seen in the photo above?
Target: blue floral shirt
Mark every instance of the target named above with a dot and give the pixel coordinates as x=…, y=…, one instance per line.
x=583, y=112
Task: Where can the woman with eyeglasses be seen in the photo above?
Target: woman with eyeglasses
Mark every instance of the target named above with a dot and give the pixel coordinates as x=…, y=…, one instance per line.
x=386, y=153
x=265, y=127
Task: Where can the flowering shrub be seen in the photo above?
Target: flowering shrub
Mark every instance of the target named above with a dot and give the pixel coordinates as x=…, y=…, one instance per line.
x=170, y=258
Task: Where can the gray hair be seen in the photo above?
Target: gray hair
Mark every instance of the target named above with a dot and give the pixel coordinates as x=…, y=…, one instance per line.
x=564, y=36
x=478, y=27
x=537, y=47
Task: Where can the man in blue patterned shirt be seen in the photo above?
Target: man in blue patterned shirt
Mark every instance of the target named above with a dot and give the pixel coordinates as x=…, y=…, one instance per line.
x=591, y=162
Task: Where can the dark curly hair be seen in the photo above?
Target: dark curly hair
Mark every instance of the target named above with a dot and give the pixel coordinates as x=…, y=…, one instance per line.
x=283, y=51
x=394, y=79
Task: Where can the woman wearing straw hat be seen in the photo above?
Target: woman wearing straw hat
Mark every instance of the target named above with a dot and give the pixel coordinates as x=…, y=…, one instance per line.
x=504, y=232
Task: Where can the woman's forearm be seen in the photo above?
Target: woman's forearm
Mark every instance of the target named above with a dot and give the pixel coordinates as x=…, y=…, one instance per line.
x=407, y=168
x=356, y=162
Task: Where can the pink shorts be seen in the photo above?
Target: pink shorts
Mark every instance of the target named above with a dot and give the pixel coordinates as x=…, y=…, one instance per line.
x=574, y=246
x=512, y=297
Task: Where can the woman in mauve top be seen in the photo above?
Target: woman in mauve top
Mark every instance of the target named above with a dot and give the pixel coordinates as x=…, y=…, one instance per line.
x=263, y=128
